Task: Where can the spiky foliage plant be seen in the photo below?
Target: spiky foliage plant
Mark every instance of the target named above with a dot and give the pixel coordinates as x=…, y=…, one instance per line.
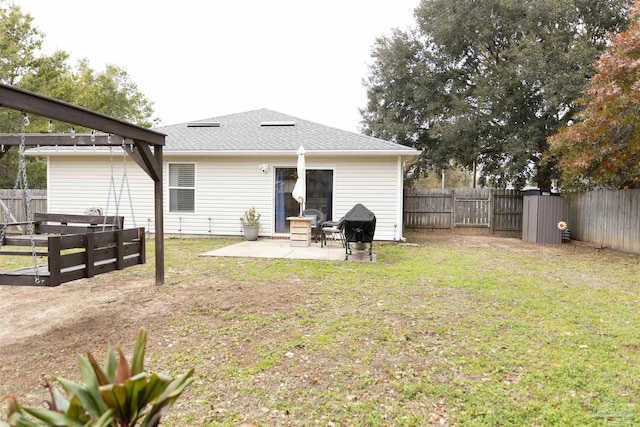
x=115, y=395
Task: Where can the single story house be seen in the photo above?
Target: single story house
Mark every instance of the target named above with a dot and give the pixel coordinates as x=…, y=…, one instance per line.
x=216, y=169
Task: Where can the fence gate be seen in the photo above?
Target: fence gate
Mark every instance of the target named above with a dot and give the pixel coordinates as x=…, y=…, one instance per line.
x=471, y=208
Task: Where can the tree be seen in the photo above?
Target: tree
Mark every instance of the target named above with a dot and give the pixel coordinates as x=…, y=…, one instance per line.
x=19, y=44
x=454, y=177
x=22, y=64
x=603, y=148
x=486, y=82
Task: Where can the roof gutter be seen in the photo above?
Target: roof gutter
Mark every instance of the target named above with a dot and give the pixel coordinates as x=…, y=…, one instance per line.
x=309, y=152
x=409, y=153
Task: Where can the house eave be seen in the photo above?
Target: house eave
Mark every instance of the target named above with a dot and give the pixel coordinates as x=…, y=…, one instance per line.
x=241, y=153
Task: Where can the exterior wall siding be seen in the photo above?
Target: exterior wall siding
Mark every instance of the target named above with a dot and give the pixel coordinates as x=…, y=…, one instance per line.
x=225, y=188
x=372, y=182
x=76, y=184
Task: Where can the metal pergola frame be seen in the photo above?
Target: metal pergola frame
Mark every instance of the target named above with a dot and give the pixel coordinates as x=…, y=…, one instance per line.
x=143, y=145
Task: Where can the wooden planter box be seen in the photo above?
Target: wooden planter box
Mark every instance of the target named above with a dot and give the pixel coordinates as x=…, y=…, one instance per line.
x=300, y=231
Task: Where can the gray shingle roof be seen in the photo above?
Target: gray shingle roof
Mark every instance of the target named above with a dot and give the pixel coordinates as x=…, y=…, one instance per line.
x=243, y=132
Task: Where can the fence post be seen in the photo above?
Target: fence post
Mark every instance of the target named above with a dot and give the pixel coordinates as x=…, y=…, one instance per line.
x=453, y=210
x=89, y=254
x=119, y=249
x=491, y=210
x=54, y=249
x=143, y=250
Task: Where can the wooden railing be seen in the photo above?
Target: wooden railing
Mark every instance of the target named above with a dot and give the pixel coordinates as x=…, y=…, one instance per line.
x=76, y=256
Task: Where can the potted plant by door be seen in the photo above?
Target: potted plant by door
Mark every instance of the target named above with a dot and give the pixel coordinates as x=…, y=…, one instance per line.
x=250, y=224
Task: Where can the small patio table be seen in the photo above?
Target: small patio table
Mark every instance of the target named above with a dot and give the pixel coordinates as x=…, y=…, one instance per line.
x=300, y=231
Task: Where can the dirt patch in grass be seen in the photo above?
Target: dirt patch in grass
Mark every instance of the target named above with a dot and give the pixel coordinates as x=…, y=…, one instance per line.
x=40, y=327
x=314, y=343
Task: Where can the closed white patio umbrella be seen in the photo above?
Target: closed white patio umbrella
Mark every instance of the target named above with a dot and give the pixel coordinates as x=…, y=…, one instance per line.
x=299, y=192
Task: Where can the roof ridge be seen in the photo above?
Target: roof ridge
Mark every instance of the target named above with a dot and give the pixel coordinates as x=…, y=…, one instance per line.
x=206, y=119
x=236, y=114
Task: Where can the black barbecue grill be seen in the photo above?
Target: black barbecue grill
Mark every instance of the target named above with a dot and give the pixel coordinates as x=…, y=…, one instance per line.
x=359, y=228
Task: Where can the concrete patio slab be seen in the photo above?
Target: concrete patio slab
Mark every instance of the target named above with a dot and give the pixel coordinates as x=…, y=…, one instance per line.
x=268, y=248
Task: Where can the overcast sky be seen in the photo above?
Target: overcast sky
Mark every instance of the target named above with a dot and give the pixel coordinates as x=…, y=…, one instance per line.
x=201, y=59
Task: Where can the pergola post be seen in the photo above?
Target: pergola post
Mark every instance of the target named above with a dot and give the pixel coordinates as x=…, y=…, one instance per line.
x=159, y=218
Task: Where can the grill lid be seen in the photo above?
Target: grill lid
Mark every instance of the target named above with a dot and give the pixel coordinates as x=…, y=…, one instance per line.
x=359, y=213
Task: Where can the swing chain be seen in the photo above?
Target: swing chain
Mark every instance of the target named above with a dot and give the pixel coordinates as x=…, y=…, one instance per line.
x=25, y=185
x=21, y=178
x=112, y=186
x=125, y=181
x=117, y=196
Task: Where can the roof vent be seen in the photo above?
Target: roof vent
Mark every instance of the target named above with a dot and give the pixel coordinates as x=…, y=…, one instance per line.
x=203, y=125
x=278, y=123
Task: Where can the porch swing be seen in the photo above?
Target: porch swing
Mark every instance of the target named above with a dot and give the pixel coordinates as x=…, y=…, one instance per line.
x=78, y=246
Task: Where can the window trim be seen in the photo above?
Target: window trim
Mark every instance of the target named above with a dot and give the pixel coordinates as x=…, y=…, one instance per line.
x=171, y=187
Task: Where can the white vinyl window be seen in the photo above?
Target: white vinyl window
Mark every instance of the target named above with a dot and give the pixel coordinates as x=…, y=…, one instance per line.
x=182, y=187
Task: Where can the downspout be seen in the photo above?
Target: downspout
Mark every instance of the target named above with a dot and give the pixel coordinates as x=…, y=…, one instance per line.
x=397, y=227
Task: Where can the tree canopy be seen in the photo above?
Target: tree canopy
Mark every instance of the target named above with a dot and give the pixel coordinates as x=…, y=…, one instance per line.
x=602, y=149
x=485, y=82
x=24, y=65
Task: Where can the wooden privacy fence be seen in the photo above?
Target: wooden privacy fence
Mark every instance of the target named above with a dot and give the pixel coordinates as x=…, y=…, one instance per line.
x=484, y=210
x=18, y=205
x=606, y=217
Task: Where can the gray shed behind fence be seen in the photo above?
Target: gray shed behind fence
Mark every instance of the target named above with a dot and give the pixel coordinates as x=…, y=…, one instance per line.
x=540, y=217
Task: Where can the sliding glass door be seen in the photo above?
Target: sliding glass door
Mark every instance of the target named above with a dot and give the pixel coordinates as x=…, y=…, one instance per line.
x=319, y=194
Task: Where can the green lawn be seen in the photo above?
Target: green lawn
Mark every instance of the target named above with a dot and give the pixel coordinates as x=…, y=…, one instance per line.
x=470, y=331
x=467, y=331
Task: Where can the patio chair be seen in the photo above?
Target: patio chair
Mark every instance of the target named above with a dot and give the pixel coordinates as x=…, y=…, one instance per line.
x=333, y=229
x=316, y=224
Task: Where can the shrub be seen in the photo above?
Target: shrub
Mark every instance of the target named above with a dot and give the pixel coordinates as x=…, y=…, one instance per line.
x=250, y=217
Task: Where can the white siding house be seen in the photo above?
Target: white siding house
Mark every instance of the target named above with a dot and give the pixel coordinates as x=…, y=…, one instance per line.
x=215, y=169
